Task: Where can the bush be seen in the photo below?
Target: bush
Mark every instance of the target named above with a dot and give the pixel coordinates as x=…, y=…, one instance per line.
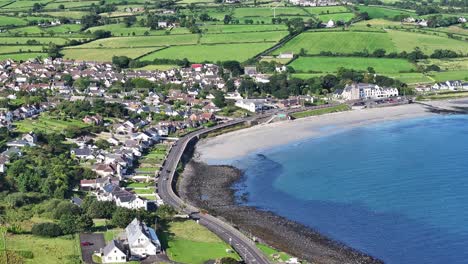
x=46, y=230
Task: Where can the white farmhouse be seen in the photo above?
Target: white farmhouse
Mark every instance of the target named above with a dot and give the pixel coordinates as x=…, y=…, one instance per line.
x=142, y=240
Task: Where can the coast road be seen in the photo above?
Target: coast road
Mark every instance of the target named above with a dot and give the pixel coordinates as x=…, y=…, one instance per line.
x=242, y=244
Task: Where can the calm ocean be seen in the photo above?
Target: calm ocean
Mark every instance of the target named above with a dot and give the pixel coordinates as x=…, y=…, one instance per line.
x=397, y=190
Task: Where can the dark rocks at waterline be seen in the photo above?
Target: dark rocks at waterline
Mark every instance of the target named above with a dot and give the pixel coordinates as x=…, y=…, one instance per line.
x=210, y=188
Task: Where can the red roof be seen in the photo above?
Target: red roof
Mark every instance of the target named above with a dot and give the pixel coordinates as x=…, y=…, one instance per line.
x=197, y=66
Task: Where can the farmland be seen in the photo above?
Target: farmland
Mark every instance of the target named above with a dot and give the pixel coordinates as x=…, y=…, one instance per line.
x=330, y=64
x=104, y=54
x=200, y=53
x=47, y=124
x=383, y=12
x=349, y=42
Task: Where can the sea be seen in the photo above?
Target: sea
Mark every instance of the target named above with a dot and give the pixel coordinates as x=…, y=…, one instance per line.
x=395, y=190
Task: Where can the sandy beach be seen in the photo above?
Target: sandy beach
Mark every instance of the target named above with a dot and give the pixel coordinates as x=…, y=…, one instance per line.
x=243, y=142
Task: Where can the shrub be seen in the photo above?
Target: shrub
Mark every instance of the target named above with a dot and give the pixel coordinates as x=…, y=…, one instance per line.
x=25, y=253
x=46, y=230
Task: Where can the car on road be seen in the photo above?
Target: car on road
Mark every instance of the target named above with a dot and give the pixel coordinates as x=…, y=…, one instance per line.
x=85, y=244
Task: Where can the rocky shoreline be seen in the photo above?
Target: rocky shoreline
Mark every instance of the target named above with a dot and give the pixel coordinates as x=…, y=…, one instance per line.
x=212, y=188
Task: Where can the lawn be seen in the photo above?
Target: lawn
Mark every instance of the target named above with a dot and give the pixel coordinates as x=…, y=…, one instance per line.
x=338, y=42
x=63, y=249
x=331, y=64
x=102, y=54
x=47, y=123
x=189, y=242
x=271, y=253
x=322, y=111
x=382, y=12
x=149, y=41
x=140, y=185
x=200, y=53
x=144, y=191
x=407, y=41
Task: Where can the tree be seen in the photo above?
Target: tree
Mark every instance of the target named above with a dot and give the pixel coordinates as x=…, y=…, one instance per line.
x=233, y=66
x=129, y=21
x=84, y=223
x=53, y=51
x=379, y=53
x=120, y=62
x=219, y=99
x=122, y=217
x=295, y=25
x=67, y=224
x=227, y=19
x=36, y=7
x=102, y=144
x=165, y=212
x=46, y=230
x=370, y=70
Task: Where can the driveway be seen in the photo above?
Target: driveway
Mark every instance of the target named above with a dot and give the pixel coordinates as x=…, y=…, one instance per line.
x=87, y=252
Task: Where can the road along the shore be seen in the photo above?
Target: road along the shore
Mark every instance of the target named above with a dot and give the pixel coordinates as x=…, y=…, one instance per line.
x=244, y=246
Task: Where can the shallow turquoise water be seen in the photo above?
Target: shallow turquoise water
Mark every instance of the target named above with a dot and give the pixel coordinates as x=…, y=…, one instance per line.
x=398, y=191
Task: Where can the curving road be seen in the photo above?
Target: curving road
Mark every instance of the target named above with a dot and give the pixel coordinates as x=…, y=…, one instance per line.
x=242, y=244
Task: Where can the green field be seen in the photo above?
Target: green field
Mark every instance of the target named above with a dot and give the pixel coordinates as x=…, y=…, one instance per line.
x=252, y=12
x=57, y=250
x=10, y=20
x=241, y=28
x=23, y=40
x=46, y=124
x=104, y=54
x=13, y=49
x=272, y=36
x=320, y=10
x=457, y=64
x=340, y=42
x=158, y=67
x=189, y=242
x=150, y=41
x=449, y=75
x=22, y=56
x=411, y=78
x=382, y=12
x=120, y=30
x=331, y=64
x=322, y=111
x=336, y=17
x=200, y=53
x=407, y=41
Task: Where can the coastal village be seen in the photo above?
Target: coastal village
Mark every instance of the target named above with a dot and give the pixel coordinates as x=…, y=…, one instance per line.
x=124, y=153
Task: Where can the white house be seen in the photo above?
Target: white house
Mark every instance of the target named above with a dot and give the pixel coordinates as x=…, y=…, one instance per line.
x=113, y=253
x=142, y=240
x=251, y=105
x=330, y=24
x=286, y=55
x=359, y=91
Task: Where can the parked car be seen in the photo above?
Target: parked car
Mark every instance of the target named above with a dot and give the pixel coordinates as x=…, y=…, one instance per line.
x=85, y=243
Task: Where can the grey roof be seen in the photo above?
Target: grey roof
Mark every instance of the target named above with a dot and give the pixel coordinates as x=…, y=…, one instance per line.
x=77, y=201
x=136, y=229
x=113, y=244
x=82, y=151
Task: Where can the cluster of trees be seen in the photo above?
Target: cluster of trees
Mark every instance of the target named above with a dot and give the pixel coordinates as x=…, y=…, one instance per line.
x=414, y=55
x=52, y=172
x=441, y=21
x=79, y=109
x=281, y=86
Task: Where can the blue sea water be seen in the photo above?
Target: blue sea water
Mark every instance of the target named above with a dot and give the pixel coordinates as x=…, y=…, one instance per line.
x=397, y=190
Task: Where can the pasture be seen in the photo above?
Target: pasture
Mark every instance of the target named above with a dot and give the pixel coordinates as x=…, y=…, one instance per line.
x=383, y=12
x=47, y=124
x=149, y=41
x=345, y=17
x=243, y=37
x=449, y=75
x=407, y=41
x=104, y=54
x=24, y=40
x=338, y=42
x=331, y=64
x=10, y=20
x=217, y=28
x=22, y=56
x=13, y=49
x=213, y=53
